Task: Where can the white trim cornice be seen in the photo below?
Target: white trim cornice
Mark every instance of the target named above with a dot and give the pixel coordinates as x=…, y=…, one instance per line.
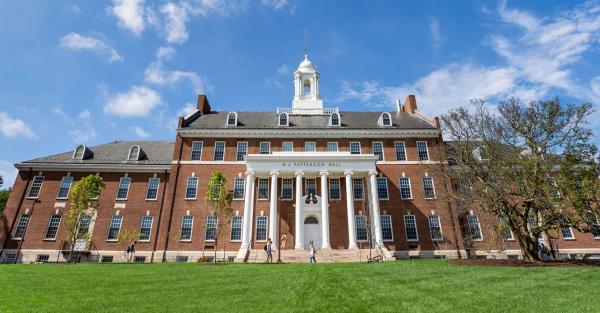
x=111, y=167
x=309, y=133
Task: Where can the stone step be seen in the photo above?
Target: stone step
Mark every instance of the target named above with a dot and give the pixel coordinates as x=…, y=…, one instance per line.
x=325, y=256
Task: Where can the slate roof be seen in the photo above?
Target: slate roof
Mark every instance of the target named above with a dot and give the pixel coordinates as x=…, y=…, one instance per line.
x=266, y=120
x=156, y=153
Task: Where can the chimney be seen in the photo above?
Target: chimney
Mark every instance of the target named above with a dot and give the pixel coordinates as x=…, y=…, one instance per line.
x=410, y=104
x=436, y=122
x=398, y=105
x=202, y=104
x=180, y=122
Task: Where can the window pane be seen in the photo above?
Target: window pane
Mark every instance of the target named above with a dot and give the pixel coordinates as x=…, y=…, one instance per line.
x=428, y=189
x=354, y=147
x=310, y=146
x=287, y=146
x=238, y=188
x=311, y=186
x=261, y=228
x=263, y=188
x=378, y=149
x=332, y=146
x=242, y=150
x=65, y=187
x=192, y=186
x=411, y=228
x=36, y=186
x=265, y=147
x=405, y=192
x=400, y=151
x=567, y=232
x=186, y=227
x=231, y=119
x=84, y=226
x=335, y=119
x=422, y=149
x=211, y=228
x=145, y=228
x=283, y=119
x=334, y=188
x=52, y=229
x=219, y=150
x=286, y=188
x=196, y=151
x=386, y=120
x=382, y=188
x=115, y=227
x=357, y=186
x=236, y=228
x=386, y=228
x=435, y=227
x=361, y=228
x=21, y=226
x=474, y=227
x=152, y=193
x=123, y=187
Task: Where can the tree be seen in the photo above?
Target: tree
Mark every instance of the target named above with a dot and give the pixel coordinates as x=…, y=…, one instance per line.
x=522, y=165
x=84, y=201
x=127, y=236
x=4, y=194
x=219, y=198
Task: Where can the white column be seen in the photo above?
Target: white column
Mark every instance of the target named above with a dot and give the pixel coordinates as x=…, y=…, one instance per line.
x=273, y=212
x=350, y=207
x=375, y=208
x=325, y=210
x=299, y=236
x=248, y=209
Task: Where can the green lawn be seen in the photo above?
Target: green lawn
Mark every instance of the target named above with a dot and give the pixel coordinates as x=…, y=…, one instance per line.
x=403, y=286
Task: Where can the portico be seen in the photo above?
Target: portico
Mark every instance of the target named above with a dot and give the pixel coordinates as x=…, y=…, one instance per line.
x=311, y=208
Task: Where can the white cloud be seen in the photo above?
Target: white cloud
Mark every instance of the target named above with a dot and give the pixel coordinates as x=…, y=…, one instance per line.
x=140, y=132
x=14, y=127
x=436, y=35
x=8, y=172
x=156, y=74
x=165, y=53
x=275, y=4
x=176, y=16
x=283, y=70
x=137, y=101
x=77, y=42
x=84, y=115
x=83, y=135
x=187, y=109
x=130, y=14
x=59, y=111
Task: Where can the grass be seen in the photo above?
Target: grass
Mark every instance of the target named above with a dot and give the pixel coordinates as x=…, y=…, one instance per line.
x=403, y=286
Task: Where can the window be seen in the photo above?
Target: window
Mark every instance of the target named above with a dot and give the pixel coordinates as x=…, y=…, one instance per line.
x=232, y=119
x=21, y=226
x=139, y=259
x=306, y=87
x=107, y=259
x=311, y=186
x=134, y=153
x=567, y=233
x=52, y=228
x=410, y=224
x=65, y=187
x=386, y=119
x=186, y=228
x=357, y=187
x=84, y=226
x=265, y=147
x=422, y=149
x=332, y=146
x=236, y=228
x=354, y=147
x=428, y=189
x=334, y=188
x=435, y=227
x=310, y=146
x=211, y=228
x=238, y=188
x=42, y=258
x=181, y=259
x=405, y=192
x=192, y=188
x=152, y=193
x=146, y=228
x=378, y=149
x=219, y=151
x=196, y=151
x=503, y=227
x=400, y=151
x=386, y=228
x=474, y=227
x=79, y=152
x=123, y=190
x=361, y=228
x=261, y=228
x=382, y=188
x=283, y=119
x=263, y=188
x=334, y=119
x=286, y=189
x=115, y=227
x=287, y=146
x=242, y=150
x=36, y=186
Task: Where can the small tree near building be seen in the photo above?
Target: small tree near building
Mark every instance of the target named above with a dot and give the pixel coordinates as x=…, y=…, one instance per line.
x=126, y=237
x=4, y=194
x=84, y=202
x=531, y=165
x=219, y=199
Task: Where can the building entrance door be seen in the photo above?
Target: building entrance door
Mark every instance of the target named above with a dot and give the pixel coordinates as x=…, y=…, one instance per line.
x=312, y=232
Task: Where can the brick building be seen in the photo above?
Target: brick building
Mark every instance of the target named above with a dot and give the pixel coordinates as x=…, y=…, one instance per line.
x=338, y=179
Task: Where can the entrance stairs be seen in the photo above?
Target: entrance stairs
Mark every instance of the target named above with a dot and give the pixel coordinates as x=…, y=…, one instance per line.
x=322, y=256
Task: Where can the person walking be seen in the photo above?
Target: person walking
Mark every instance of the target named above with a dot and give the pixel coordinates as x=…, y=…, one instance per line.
x=311, y=253
x=269, y=251
x=282, y=241
x=131, y=251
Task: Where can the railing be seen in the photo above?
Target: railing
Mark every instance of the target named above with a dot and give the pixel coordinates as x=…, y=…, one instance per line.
x=326, y=111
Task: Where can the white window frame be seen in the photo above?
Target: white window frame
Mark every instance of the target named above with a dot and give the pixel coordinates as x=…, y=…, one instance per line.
x=266, y=229
x=48, y=227
x=364, y=218
x=396, y=150
x=227, y=120
x=387, y=190
x=362, y=183
x=409, y=189
x=439, y=222
x=39, y=189
x=150, y=228
x=291, y=146
x=572, y=237
x=83, y=147
x=339, y=187
x=471, y=228
x=291, y=180
x=310, y=142
x=215, y=151
x=287, y=119
x=382, y=119
x=267, y=194
x=119, y=188
x=382, y=150
x=191, y=228
x=359, y=147
x=150, y=180
x=389, y=217
x=60, y=187
x=235, y=185
x=237, y=150
x=414, y=218
x=337, y=147
x=24, y=227
x=432, y=187
x=312, y=179
x=137, y=155
x=201, y=143
x=339, y=119
x=208, y=217
x=241, y=227
x=119, y=229
x=187, y=185
x=260, y=146
x=426, y=150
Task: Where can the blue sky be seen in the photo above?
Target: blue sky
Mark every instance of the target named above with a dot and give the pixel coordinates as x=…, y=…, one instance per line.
x=96, y=71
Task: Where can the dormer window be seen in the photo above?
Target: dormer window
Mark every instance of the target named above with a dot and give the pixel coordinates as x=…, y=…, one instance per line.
x=283, y=119
x=134, y=153
x=334, y=119
x=232, y=119
x=385, y=119
x=82, y=153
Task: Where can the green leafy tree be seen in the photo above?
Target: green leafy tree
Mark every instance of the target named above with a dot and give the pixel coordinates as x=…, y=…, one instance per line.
x=84, y=201
x=532, y=166
x=4, y=194
x=219, y=199
x=127, y=236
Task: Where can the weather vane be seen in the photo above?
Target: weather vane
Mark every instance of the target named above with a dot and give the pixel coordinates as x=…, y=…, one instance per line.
x=305, y=43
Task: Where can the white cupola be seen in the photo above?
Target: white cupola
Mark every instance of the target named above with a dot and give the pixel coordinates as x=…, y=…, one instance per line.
x=306, y=85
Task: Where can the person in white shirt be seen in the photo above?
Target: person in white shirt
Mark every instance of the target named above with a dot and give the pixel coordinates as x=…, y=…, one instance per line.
x=311, y=253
